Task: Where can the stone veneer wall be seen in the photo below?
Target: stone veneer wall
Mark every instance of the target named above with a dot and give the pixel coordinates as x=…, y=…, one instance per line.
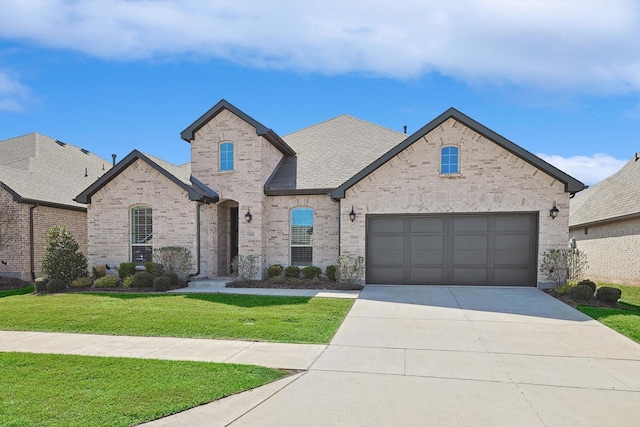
x=109, y=225
x=325, y=228
x=613, y=251
x=491, y=179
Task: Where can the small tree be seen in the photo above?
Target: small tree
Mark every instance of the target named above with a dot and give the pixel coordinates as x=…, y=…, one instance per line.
x=174, y=258
x=62, y=259
x=245, y=267
x=563, y=265
x=8, y=226
x=350, y=269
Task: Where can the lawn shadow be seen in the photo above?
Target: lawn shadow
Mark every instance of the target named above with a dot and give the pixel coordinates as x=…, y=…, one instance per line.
x=19, y=291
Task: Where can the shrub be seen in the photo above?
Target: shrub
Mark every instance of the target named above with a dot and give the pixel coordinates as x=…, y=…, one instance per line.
x=174, y=258
x=563, y=265
x=62, y=258
x=127, y=282
x=126, y=269
x=153, y=268
x=82, y=282
x=608, y=294
x=173, y=278
x=311, y=272
x=162, y=283
x=98, y=271
x=331, y=272
x=56, y=285
x=588, y=283
x=245, y=267
x=41, y=284
x=142, y=279
x=350, y=269
x=107, y=282
x=581, y=293
x=274, y=270
x=566, y=288
x=292, y=272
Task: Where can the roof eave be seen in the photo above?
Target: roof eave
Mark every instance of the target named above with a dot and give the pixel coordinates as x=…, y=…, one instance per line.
x=298, y=192
x=604, y=221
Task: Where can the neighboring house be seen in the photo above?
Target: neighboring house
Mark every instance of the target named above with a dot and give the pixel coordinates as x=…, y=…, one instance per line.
x=454, y=203
x=605, y=222
x=39, y=178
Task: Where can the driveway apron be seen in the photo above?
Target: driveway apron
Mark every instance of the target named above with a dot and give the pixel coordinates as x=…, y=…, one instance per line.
x=462, y=356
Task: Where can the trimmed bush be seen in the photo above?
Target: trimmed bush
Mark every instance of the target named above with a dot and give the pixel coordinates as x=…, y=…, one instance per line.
x=608, y=294
x=41, y=284
x=126, y=269
x=581, y=293
x=292, y=271
x=56, y=285
x=107, y=282
x=62, y=258
x=311, y=272
x=161, y=284
x=153, y=268
x=127, y=282
x=82, y=282
x=274, y=270
x=588, y=283
x=98, y=271
x=331, y=272
x=173, y=278
x=142, y=279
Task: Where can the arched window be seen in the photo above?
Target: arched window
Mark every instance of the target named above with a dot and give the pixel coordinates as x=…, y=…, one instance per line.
x=301, y=236
x=141, y=234
x=226, y=156
x=449, y=160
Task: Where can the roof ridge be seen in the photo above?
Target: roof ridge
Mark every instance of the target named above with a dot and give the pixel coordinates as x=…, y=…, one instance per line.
x=340, y=116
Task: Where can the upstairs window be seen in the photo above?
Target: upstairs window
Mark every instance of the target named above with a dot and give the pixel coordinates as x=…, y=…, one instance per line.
x=141, y=234
x=226, y=156
x=449, y=160
x=301, y=236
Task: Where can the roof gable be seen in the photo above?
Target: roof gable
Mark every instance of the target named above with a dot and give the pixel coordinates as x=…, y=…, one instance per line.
x=179, y=175
x=189, y=133
x=571, y=184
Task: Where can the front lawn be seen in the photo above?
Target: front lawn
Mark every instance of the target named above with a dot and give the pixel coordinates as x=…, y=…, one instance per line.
x=221, y=316
x=626, y=319
x=63, y=390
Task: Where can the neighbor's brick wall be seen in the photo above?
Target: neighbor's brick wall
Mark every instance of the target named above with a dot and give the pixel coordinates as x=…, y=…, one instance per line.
x=254, y=161
x=174, y=216
x=16, y=255
x=325, y=228
x=613, y=251
x=491, y=179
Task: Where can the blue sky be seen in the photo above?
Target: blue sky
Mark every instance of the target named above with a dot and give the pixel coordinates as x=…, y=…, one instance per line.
x=560, y=79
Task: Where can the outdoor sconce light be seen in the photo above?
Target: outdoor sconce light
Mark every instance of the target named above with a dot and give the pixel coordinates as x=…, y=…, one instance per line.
x=553, y=212
x=248, y=216
x=352, y=215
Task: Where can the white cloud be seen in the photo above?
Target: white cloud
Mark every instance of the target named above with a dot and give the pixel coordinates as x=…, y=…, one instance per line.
x=13, y=94
x=588, y=169
x=550, y=44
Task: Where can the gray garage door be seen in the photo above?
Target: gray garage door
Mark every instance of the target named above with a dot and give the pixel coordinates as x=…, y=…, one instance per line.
x=488, y=249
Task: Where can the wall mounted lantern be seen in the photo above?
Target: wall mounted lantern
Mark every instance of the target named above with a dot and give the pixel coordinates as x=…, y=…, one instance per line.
x=352, y=215
x=553, y=212
x=248, y=216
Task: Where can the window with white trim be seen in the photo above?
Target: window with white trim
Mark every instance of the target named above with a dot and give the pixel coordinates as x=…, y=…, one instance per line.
x=301, y=236
x=226, y=156
x=141, y=234
x=449, y=160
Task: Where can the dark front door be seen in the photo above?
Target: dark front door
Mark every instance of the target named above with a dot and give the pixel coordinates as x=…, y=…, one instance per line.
x=233, y=238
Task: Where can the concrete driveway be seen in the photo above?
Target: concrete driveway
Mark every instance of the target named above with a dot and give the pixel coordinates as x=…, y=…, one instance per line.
x=453, y=356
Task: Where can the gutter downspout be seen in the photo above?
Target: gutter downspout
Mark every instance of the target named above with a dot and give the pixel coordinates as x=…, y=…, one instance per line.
x=32, y=242
x=197, y=273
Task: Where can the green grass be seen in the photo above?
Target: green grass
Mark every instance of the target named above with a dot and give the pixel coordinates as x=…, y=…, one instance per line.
x=63, y=390
x=625, y=320
x=221, y=316
x=20, y=291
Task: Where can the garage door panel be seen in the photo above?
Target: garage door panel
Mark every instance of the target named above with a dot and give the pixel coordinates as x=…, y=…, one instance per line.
x=422, y=242
x=469, y=242
x=517, y=242
x=387, y=258
x=426, y=276
x=512, y=257
x=427, y=257
x=388, y=225
x=470, y=223
x=470, y=276
x=427, y=225
x=464, y=257
x=512, y=276
x=388, y=275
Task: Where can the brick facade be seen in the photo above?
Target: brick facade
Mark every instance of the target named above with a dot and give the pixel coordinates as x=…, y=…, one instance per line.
x=491, y=179
x=612, y=249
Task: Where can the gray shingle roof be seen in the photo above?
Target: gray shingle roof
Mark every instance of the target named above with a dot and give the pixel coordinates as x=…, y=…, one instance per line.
x=331, y=152
x=36, y=168
x=616, y=197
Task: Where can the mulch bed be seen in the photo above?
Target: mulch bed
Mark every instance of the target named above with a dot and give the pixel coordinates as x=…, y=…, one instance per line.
x=593, y=302
x=8, y=283
x=295, y=284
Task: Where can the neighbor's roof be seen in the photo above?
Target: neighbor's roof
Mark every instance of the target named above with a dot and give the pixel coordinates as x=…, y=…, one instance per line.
x=615, y=198
x=330, y=152
x=37, y=169
x=179, y=175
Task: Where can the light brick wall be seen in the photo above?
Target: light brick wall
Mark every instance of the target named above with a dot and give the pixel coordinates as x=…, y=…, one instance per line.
x=325, y=228
x=109, y=224
x=613, y=251
x=491, y=179
x=16, y=255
